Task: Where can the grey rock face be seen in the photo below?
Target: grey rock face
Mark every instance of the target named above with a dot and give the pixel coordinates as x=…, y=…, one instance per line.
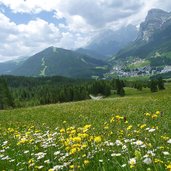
x=156, y=20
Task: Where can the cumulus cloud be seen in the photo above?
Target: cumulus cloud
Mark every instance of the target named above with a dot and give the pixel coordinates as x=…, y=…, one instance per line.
x=27, y=39
x=83, y=20
x=30, y=6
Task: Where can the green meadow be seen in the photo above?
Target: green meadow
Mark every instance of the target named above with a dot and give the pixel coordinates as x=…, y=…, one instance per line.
x=115, y=133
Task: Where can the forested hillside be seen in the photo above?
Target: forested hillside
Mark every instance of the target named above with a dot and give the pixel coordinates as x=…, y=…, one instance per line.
x=29, y=91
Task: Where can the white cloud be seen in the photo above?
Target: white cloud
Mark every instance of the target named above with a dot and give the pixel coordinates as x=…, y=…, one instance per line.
x=21, y=40
x=27, y=6
x=27, y=39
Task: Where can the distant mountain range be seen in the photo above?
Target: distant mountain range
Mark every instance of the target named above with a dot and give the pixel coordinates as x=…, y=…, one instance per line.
x=130, y=50
x=154, y=37
x=56, y=61
x=109, y=42
x=9, y=66
x=150, y=53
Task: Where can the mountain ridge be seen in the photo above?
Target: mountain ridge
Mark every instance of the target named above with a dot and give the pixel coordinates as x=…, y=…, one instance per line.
x=153, y=36
x=57, y=61
x=109, y=42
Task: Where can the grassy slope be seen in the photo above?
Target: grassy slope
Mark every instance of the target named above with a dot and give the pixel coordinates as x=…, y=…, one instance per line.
x=93, y=112
x=19, y=132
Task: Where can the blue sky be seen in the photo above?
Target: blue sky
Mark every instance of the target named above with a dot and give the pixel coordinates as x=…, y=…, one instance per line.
x=29, y=26
x=24, y=18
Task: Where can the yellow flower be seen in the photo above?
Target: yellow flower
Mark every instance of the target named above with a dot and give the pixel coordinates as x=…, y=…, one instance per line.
x=37, y=131
x=76, y=139
x=97, y=139
x=10, y=130
x=71, y=166
x=119, y=117
x=73, y=131
x=158, y=113
x=169, y=167
x=51, y=170
x=87, y=126
x=22, y=141
x=112, y=120
x=73, y=150
x=106, y=127
x=158, y=161
x=83, y=135
x=154, y=116
x=31, y=161
x=165, y=137
x=147, y=114
x=129, y=127
x=62, y=130
x=161, y=148
x=28, y=133
x=84, y=146
x=86, y=162
x=142, y=126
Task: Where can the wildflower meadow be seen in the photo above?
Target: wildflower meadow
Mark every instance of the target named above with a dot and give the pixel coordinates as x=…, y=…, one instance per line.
x=130, y=133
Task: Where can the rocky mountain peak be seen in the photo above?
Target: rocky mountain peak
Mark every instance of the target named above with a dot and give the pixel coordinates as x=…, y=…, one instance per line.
x=155, y=13
x=155, y=20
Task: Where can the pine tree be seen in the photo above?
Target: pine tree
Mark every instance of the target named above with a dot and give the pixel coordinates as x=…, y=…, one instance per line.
x=153, y=86
x=161, y=84
x=5, y=95
x=120, y=87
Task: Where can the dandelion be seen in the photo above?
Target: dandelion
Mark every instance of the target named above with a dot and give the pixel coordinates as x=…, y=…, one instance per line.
x=76, y=139
x=169, y=167
x=71, y=166
x=158, y=161
x=158, y=113
x=147, y=114
x=73, y=151
x=154, y=116
x=62, y=130
x=129, y=127
x=142, y=126
x=112, y=120
x=98, y=139
x=86, y=162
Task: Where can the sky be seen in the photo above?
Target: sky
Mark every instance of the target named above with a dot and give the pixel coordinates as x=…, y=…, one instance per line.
x=29, y=26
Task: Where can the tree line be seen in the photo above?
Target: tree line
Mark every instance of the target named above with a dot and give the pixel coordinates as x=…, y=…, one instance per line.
x=29, y=91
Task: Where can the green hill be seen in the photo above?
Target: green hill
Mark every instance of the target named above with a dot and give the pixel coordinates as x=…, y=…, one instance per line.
x=55, y=61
